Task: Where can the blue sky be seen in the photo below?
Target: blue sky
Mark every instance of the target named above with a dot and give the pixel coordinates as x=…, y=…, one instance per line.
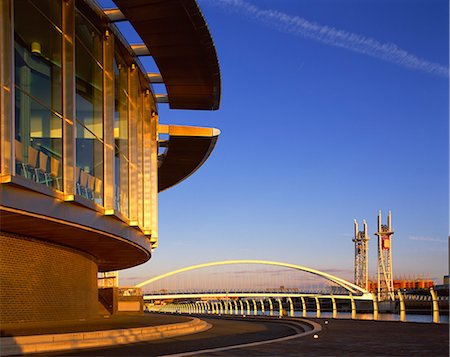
x=324, y=119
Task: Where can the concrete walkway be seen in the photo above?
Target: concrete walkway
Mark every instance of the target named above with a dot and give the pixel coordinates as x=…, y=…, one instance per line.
x=337, y=338
x=18, y=339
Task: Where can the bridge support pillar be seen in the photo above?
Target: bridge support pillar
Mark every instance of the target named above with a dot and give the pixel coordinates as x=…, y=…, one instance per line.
x=270, y=307
x=303, y=306
x=241, y=305
x=352, y=302
x=291, y=307
x=263, y=311
x=255, y=307
x=247, y=303
x=280, y=308
x=317, y=307
x=434, y=297
x=402, y=306
x=333, y=302
x=375, y=307
x=236, y=310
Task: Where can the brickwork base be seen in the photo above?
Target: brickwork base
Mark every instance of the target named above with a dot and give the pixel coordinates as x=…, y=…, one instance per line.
x=41, y=281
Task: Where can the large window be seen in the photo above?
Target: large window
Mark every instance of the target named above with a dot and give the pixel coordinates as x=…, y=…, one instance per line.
x=38, y=103
x=89, y=109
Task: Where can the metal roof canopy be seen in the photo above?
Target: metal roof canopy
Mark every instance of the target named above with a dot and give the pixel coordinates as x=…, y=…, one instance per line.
x=188, y=149
x=177, y=36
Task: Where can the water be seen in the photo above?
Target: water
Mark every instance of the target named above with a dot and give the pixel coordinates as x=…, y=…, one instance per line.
x=365, y=316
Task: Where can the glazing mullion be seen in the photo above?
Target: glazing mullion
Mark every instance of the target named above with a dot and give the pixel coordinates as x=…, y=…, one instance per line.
x=147, y=164
x=68, y=98
x=108, y=123
x=139, y=158
x=154, y=177
x=7, y=166
x=133, y=90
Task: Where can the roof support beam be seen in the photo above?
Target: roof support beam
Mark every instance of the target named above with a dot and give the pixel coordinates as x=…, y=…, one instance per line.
x=162, y=98
x=140, y=49
x=115, y=15
x=155, y=77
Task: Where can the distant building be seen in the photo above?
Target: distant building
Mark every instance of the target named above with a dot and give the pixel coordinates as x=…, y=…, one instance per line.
x=82, y=153
x=405, y=283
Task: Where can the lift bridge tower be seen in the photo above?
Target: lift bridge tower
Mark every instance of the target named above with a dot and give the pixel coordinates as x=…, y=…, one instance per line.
x=361, y=240
x=384, y=272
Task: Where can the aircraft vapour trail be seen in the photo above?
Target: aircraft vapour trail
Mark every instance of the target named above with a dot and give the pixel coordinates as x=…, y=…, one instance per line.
x=329, y=35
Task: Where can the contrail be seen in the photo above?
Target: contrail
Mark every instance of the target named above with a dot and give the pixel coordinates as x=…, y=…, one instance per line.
x=329, y=35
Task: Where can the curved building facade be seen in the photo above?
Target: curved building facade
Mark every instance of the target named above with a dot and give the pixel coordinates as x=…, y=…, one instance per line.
x=82, y=153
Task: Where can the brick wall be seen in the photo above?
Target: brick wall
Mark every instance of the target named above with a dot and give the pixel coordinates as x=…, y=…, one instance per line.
x=42, y=281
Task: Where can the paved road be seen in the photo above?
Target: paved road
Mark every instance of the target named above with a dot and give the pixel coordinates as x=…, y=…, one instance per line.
x=338, y=338
x=358, y=338
x=225, y=332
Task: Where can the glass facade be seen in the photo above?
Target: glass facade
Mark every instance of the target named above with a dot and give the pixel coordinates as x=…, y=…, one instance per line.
x=121, y=133
x=83, y=111
x=89, y=109
x=38, y=101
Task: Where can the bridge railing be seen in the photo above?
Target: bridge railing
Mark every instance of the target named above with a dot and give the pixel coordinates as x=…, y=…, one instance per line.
x=254, y=303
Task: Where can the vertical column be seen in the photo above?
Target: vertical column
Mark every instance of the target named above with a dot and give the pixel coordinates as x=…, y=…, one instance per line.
x=435, y=300
x=402, y=306
x=291, y=307
x=7, y=167
x=375, y=306
x=333, y=302
x=139, y=158
x=303, y=306
x=108, y=123
x=147, y=163
x=280, y=308
x=270, y=307
x=154, y=178
x=133, y=89
x=255, y=307
x=317, y=307
x=68, y=98
x=353, y=304
x=241, y=305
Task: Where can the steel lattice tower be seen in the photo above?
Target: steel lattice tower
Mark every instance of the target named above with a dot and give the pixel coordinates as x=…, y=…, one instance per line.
x=384, y=272
x=361, y=240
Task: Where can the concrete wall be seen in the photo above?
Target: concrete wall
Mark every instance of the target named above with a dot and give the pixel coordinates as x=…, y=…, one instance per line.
x=42, y=281
x=116, y=303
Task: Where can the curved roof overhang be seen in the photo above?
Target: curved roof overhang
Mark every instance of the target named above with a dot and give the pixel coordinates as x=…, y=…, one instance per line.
x=188, y=148
x=110, y=242
x=177, y=37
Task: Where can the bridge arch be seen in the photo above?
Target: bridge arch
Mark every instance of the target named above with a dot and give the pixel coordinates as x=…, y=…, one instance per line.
x=350, y=287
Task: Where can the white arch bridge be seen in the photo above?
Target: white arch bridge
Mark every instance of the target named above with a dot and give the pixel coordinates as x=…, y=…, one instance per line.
x=258, y=302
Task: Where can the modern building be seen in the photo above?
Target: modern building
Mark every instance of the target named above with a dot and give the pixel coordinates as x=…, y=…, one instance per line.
x=82, y=153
